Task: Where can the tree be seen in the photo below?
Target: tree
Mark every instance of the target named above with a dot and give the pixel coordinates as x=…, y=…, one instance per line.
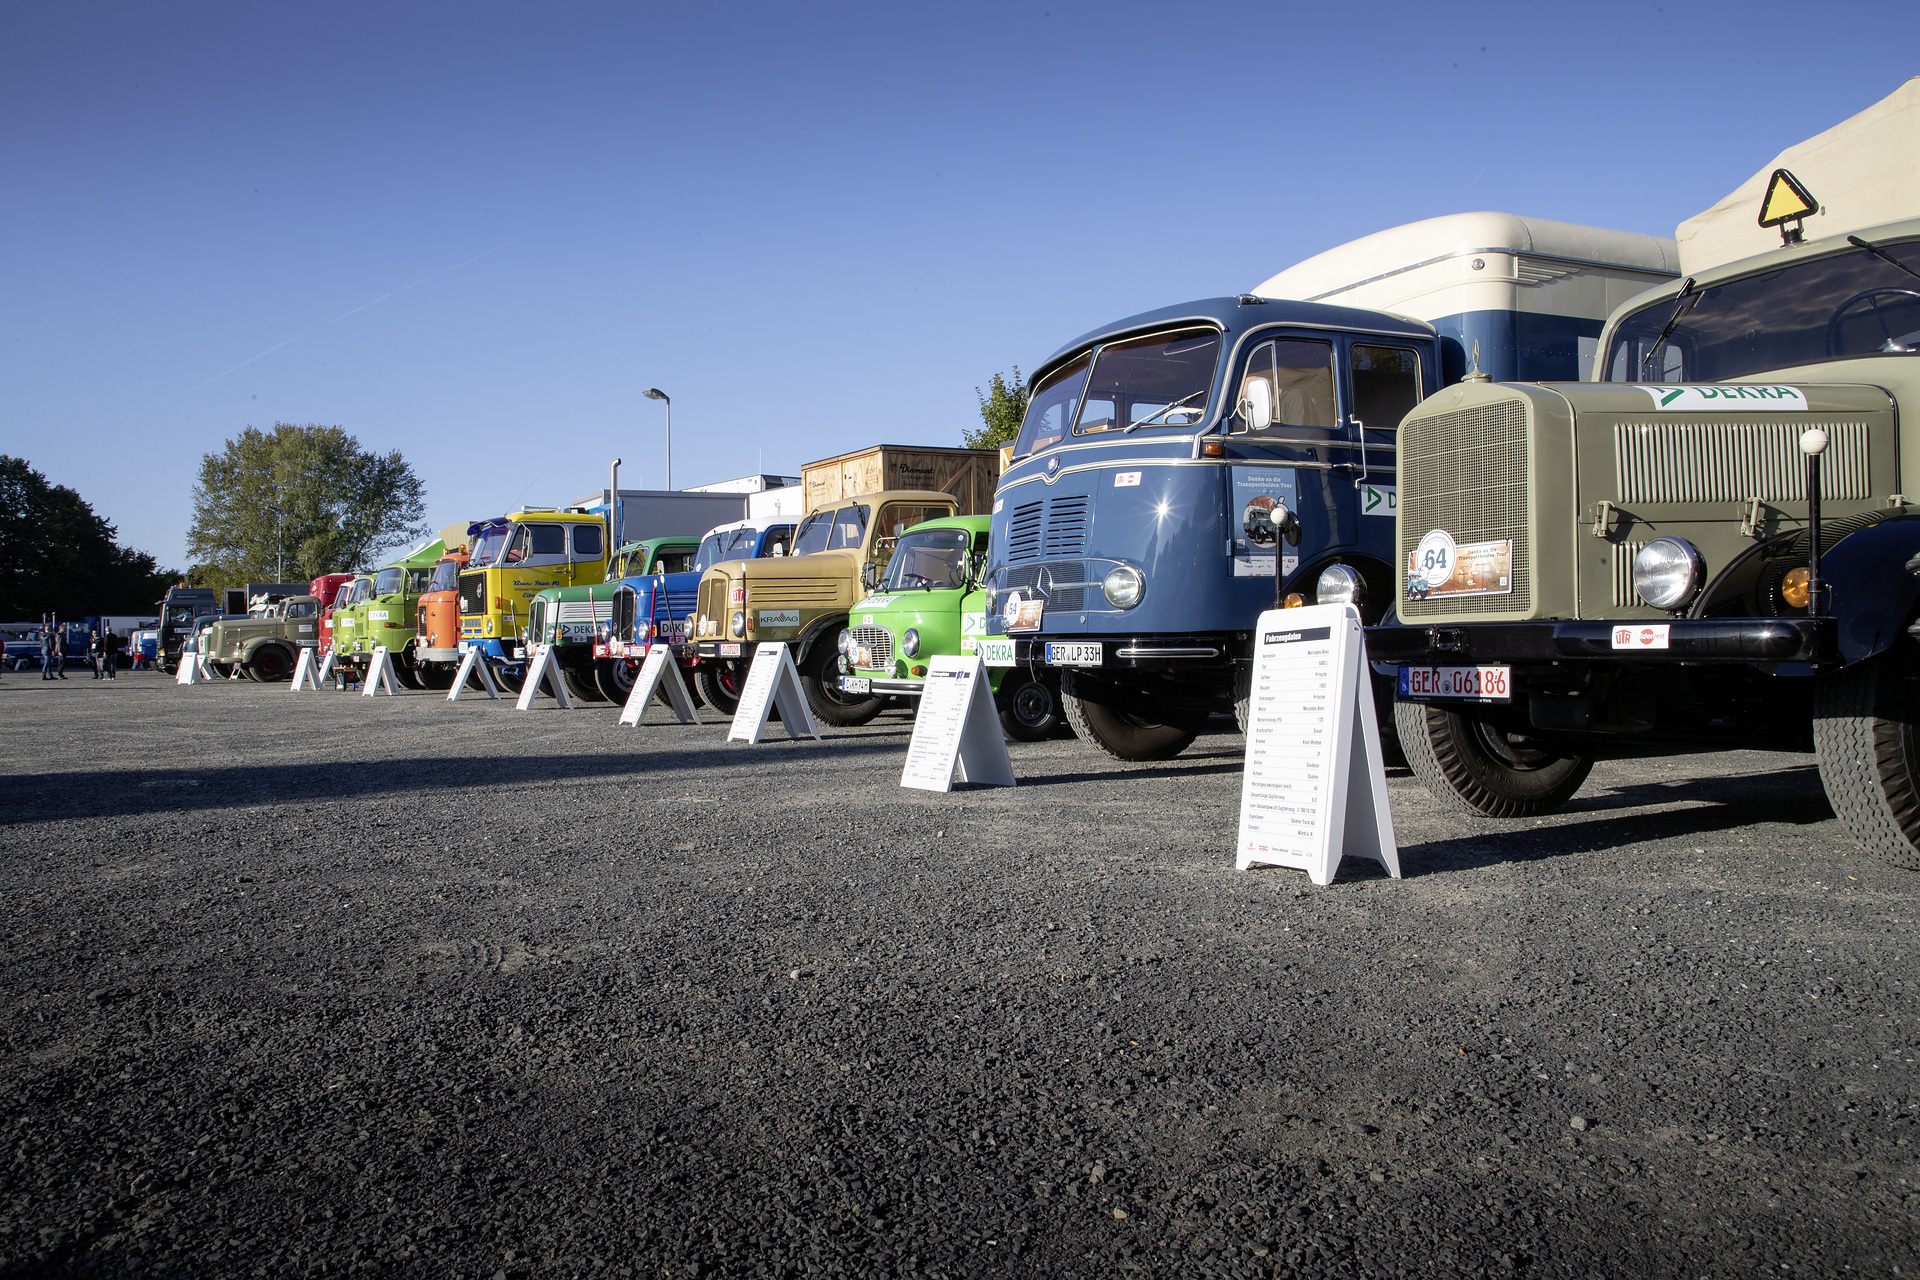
x=57, y=556
x=296, y=502
x=1002, y=408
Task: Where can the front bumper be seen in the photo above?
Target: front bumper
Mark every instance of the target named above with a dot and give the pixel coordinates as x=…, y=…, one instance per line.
x=1177, y=652
x=889, y=685
x=437, y=655
x=712, y=649
x=1690, y=640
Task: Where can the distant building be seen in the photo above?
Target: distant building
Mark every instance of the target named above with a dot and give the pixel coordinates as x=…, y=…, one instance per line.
x=745, y=484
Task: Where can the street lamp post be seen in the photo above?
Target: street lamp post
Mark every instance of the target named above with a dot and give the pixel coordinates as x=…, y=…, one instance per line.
x=655, y=393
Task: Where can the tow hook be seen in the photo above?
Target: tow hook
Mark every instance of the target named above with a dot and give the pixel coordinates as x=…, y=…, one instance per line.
x=1446, y=640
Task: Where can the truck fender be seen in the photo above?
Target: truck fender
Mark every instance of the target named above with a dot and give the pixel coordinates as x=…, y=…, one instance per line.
x=1873, y=579
x=814, y=630
x=248, y=653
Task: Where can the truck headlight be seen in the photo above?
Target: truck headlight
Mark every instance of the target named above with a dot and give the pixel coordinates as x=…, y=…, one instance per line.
x=739, y=622
x=1123, y=587
x=1340, y=584
x=910, y=642
x=844, y=642
x=1667, y=572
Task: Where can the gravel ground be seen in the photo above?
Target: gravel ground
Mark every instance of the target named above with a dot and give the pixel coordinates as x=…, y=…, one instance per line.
x=314, y=984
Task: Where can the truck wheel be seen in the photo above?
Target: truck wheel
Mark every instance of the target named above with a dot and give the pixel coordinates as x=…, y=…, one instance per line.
x=828, y=703
x=1473, y=769
x=221, y=670
x=1120, y=735
x=1029, y=707
x=436, y=675
x=720, y=684
x=1242, y=693
x=581, y=684
x=1866, y=736
x=270, y=664
x=615, y=676
x=509, y=683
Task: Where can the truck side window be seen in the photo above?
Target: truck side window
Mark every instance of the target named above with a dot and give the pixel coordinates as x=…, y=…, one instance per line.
x=776, y=544
x=673, y=562
x=849, y=527
x=1303, y=377
x=1051, y=408
x=1386, y=384
x=586, y=541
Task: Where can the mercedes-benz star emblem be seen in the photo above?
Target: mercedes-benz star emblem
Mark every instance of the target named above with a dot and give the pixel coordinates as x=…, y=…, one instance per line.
x=1053, y=465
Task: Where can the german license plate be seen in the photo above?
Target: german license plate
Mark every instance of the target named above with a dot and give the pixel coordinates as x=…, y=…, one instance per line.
x=729, y=650
x=1073, y=655
x=856, y=684
x=1471, y=684
x=995, y=651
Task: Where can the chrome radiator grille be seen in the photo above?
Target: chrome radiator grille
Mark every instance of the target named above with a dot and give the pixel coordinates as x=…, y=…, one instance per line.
x=1062, y=582
x=1735, y=461
x=878, y=639
x=713, y=604
x=1466, y=472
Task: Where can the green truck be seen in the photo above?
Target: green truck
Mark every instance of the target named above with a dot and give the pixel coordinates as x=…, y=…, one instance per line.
x=572, y=618
x=929, y=602
x=389, y=615
x=266, y=643
x=1715, y=545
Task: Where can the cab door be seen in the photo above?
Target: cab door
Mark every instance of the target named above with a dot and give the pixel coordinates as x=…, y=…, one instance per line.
x=1385, y=379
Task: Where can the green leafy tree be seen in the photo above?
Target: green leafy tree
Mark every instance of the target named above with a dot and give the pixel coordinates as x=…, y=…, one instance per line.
x=58, y=556
x=299, y=501
x=1003, y=406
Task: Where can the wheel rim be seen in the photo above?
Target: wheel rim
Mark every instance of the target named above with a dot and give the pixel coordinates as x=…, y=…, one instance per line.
x=625, y=671
x=1519, y=759
x=1033, y=705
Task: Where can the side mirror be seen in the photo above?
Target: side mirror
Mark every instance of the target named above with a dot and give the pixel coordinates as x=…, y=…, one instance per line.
x=869, y=575
x=1256, y=405
x=976, y=566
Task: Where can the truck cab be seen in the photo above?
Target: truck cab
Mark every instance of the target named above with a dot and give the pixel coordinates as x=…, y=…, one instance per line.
x=437, y=622
x=383, y=616
x=512, y=560
x=264, y=644
x=179, y=611
x=802, y=599
x=575, y=620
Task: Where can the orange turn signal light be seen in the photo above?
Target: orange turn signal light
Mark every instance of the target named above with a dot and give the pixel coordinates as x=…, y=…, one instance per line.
x=1294, y=600
x=919, y=671
x=1213, y=447
x=1795, y=587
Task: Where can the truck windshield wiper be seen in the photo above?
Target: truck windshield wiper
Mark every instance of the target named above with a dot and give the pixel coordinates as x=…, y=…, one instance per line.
x=1882, y=254
x=1161, y=412
x=1680, y=309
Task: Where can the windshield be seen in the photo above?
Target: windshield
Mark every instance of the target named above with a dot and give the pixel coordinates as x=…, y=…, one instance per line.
x=446, y=576
x=1161, y=381
x=487, y=550
x=1848, y=304
x=831, y=530
x=628, y=563
x=929, y=560
x=1051, y=408
x=388, y=581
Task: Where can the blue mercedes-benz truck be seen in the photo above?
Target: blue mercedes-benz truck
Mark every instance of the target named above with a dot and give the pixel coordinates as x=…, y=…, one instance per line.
x=1180, y=471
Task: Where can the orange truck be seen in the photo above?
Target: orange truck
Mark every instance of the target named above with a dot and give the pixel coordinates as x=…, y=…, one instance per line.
x=437, y=650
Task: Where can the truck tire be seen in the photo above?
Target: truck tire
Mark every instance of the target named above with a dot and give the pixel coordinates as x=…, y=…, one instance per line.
x=509, y=683
x=720, y=684
x=1120, y=735
x=581, y=684
x=436, y=675
x=615, y=677
x=406, y=673
x=1473, y=770
x=828, y=703
x=1029, y=707
x=1866, y=736
x=1242, y=693
x=270, y=664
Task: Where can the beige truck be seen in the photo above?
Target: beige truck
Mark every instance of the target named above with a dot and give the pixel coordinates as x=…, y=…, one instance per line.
x=804, y=599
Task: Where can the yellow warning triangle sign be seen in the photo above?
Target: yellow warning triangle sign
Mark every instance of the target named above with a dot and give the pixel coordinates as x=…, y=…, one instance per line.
x=1785, y=200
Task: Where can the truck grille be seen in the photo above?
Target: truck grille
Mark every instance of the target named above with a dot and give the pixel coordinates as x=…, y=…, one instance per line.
x=1067, y=520
x=1735, y=461
x=586, y=610
x=1466, y=472
x=878, y=639
x=1062, y=581
x=537, y=620
x=795, y=592
x=626, y=607
x=1624, y=596
x=473, y=594
x=713, y=601
x=1049, y=527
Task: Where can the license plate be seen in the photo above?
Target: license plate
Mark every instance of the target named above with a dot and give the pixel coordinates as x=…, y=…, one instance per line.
x=995, y=651
x=1073, y=655
x=855, y=684
x=729, y=650
x=1471, y=684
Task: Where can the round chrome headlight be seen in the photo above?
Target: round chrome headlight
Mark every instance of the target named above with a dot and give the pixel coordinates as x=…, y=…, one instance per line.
x=910, y=642
x=739, y=623
x=1667, y=572
x=1124, y=586
x=1340, y=584
x=845, y=641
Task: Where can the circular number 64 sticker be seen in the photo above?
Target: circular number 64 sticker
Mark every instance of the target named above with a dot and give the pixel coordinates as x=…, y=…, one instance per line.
x=1432, y=560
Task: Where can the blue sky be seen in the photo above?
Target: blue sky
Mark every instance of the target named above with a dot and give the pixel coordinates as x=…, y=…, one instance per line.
x=475, y=233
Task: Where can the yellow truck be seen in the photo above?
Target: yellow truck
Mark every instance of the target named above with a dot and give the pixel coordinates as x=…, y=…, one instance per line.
x=803, y=599
x=514, y=558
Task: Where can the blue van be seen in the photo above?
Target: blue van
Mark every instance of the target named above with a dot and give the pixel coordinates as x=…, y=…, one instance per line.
x=647, y=610
x=1182, y=470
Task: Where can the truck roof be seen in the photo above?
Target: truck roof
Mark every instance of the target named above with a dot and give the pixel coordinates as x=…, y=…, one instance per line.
x=755, y=525
x=424, y=554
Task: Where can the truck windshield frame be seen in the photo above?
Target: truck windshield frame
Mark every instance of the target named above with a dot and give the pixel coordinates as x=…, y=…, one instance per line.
x=1161, y=381
x=389, y=581
x=1838, y=306
x=929, y=560
x=446, y=576
x=488, y=547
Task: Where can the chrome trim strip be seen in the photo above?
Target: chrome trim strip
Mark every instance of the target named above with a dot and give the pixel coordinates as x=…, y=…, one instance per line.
x=1170, y=462
x=1166, y=653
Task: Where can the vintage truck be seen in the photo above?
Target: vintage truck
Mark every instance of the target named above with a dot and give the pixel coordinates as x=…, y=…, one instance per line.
x=928, y=602
x=1714, y=546
x=265, y=643
x=803, y=599
x=649, y=611
x=436, y=653
x=384, y=614
x=576, y=620
x=336, y=621
x=179, y=610
x=514, y=559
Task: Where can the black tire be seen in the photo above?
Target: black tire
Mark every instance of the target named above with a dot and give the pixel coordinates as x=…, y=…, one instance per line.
x=720, y=684
x=1029, y=707
x=221, y=670
x=1866, y=736
x=581, y=684
x=820, y=679
x=615, y=677
x=1242, y=693
x=509, y=683
x=436, y=675
x=406, y=673
x=270, y=664
x=1120, y=735
x=1472, y=768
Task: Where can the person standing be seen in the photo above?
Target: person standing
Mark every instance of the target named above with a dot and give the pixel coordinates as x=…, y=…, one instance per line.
x=94, y=645
x=110, y=651
x=47, y=648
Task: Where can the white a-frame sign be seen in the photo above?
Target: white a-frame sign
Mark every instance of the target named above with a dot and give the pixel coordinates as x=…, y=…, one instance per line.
x=1314, y=787
x=473, y=666
x=380, y=673
x=303, y=671
x=543, y=666
x=659, y=671
x=772, y=681
x=956, y=736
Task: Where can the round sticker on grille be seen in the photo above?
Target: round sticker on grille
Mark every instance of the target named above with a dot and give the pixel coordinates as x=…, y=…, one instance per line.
x=1432, y=561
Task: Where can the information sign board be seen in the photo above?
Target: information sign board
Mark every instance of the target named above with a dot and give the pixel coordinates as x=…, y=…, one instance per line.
x=658, y=670
x=772, y=680
x=956, y=733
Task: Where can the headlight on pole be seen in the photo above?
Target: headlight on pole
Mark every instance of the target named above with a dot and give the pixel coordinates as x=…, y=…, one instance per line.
x=1667, y=572
x=910, y=642
x=1340, y=584
x=1123, y=587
